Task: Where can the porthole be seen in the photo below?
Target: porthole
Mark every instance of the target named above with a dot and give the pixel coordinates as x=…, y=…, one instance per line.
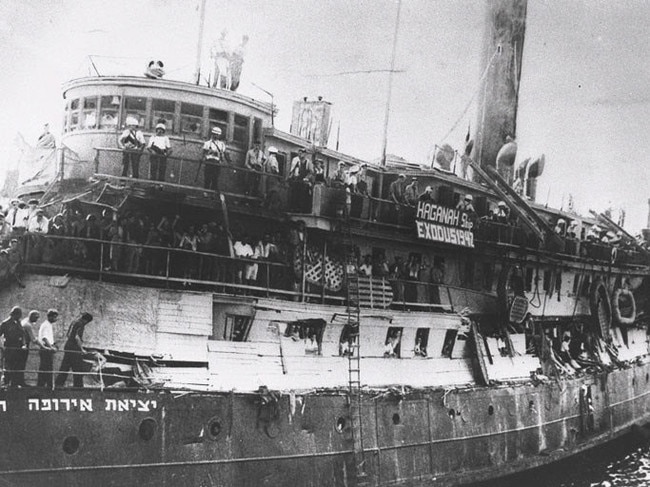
x=396, y=419
x=213, y=428
x=452, y=413
x=340, y=424
x=71, y=445
x=490, y=409
x=147, y=428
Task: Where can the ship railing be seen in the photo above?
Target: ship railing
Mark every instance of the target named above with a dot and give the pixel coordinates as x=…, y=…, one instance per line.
x=37, y=366
x=188, y=172
x=104, y=259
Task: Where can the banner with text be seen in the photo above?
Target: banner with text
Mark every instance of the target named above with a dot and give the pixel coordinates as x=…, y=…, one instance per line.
x=441, y=224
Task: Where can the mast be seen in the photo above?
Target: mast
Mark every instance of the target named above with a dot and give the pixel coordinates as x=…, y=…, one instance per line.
x=390, y=86
x=503, y=43
x=197, y=70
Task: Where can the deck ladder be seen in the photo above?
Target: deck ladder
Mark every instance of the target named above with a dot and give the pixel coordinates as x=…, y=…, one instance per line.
x=354, y=355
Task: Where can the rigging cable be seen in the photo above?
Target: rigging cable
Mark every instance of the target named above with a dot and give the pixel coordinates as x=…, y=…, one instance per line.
x=471, y=100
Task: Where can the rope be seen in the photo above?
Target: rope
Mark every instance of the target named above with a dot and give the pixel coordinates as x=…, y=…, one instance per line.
x=471, y=100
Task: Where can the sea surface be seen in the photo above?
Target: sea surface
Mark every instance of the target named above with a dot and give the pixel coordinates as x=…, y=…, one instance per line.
x=625, y=462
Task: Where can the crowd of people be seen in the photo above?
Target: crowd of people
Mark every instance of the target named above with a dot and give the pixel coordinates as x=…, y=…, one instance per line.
x=135, y=242
x=21, y=334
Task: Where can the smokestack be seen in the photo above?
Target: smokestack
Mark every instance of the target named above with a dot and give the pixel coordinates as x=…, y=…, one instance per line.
x=503, y=44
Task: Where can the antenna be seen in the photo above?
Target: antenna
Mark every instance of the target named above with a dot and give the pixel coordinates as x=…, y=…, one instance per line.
x=272, y=102
x=390, y=85
x=197, y=71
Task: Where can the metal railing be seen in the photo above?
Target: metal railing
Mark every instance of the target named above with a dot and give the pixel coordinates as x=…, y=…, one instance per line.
x=229, y=178
x=167, y=265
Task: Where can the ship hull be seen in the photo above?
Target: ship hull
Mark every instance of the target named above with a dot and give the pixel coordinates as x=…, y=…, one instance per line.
x=428, y=437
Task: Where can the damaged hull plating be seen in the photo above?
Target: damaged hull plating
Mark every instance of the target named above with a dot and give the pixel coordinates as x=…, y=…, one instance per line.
x=437, y=437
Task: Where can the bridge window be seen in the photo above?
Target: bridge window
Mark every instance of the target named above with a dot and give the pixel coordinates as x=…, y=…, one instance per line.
x=89, y=113
x=136, y=107
x=191, y=119
x=74, y=115
x=163, y=110
x=257, y=129
x=237, y=328
x=219, y=118
x=240, y=134
x=109, y=115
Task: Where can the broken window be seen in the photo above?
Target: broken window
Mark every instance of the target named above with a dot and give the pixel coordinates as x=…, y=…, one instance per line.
x=237, y=328
x=448, y=343
x=421, y=342
x=393, y=342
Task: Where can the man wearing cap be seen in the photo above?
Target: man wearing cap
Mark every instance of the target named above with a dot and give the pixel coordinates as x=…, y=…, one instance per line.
x=46, y=342
x=411, y=192
x=11, y=212
x=254, y=162
x=14, y=336
x=74, y=350
x=466, y=204
x=502, y=214
x=160, y=148
x=301, y=166
x=214, y=154
x=427, y=196
x=21, y=218
x=132, y=143
x=39, y=223
x=362, y=182
x=338, y=178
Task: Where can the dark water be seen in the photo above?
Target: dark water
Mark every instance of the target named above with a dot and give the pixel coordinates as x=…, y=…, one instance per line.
x=625, y=462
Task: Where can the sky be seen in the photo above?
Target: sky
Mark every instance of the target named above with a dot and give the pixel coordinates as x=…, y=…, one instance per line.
x=584, y=101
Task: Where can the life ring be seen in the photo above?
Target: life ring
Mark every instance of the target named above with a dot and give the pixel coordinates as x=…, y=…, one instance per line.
x=601, y=307
x=616, y=307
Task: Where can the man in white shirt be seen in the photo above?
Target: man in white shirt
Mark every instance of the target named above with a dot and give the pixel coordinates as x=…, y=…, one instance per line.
x=132, y=143
x=21, y=218
x=39, y=223
x=243, y=250
x=5, y=230
x=46, y=341
x=159, y=147
x=214, y=154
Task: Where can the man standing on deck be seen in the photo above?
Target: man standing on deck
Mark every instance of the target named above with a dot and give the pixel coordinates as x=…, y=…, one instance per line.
x=13, y=346
x=131, y=142
x=160, y=149
x=74, y=350
x=411, y=192
x=28, y=329
x=396, y=189
x=46, y=339
x=214, y=154
x=254, y=162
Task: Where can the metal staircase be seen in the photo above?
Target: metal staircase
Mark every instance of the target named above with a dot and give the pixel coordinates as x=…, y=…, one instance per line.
x=354, y=356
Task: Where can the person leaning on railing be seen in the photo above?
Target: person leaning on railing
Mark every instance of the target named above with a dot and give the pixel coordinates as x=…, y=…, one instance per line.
x=132, y=143
x=214, y=154
x=74, y=350
x=160, y=148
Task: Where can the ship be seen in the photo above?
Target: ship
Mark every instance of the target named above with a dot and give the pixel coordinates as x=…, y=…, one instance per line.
x=371, y=341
